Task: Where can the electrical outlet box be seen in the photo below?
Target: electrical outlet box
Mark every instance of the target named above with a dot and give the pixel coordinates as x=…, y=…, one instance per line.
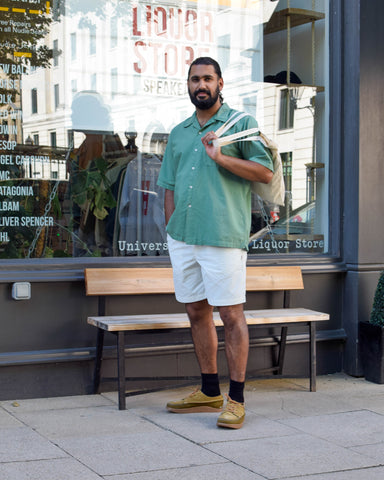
x=21, y=291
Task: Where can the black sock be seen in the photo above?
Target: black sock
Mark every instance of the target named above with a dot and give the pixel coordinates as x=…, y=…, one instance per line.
x=236, y=391
x=210, y=384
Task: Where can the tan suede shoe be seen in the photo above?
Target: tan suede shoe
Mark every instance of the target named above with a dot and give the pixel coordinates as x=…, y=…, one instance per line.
x=196, y=402
x=233, y=415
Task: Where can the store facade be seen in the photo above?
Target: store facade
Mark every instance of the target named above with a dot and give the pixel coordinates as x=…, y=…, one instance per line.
x=89, y=93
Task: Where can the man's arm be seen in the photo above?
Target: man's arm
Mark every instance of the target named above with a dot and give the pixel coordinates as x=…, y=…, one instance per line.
x=253, y=171
x=169, y=204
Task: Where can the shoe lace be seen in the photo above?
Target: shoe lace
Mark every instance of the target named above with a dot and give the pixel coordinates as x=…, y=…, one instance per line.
x=233, y=407
x=192, y=394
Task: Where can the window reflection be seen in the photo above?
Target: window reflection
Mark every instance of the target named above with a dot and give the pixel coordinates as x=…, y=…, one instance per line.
x=89, y=93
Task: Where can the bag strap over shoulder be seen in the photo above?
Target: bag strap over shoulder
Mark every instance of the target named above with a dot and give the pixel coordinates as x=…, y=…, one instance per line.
x=274, y=191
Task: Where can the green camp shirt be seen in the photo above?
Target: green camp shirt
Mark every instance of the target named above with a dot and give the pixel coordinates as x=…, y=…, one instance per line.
x=212, y=205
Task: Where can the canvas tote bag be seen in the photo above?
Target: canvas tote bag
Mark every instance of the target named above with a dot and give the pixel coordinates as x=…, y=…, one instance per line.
x=274, y=191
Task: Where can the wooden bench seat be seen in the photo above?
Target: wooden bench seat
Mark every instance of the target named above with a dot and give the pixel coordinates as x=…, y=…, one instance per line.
x=104, y=282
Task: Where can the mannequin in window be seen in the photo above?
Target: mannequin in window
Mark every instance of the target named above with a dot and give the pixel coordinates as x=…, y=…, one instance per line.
x=94, y=167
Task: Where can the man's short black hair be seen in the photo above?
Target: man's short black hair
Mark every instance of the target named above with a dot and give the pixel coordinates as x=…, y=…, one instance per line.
x=206, y=61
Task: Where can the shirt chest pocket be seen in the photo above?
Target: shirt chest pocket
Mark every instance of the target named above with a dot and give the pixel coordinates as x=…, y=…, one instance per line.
x=198, y=158
x=207, y=162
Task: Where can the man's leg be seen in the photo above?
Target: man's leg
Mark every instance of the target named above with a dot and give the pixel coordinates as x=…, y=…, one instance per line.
x=224, y=277
x=236, y=340
x=204, y=336
x=205, y=340
x=236, y=349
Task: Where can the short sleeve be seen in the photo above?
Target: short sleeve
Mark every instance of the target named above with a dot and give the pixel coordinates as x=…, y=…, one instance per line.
x=167, y=173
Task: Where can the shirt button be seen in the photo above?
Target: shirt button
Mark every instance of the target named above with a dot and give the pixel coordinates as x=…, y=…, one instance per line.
x=195, y=149
x=193, y=168
x=190, y=186
x=189, y=206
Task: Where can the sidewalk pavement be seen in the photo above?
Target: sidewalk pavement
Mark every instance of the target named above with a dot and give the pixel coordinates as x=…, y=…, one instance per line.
x=336, y=433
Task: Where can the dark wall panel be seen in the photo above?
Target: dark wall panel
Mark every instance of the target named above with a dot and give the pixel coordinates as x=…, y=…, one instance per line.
x=44, y=338
x=371, y=171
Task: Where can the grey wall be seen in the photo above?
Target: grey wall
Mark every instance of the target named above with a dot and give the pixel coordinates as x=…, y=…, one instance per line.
x=362, y=147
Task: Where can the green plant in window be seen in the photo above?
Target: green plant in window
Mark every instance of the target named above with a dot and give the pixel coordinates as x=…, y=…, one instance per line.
x=91, y=189
x=377, y=313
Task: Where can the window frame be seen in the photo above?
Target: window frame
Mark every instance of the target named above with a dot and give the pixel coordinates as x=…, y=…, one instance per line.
x=34, y=102
x=53, y=269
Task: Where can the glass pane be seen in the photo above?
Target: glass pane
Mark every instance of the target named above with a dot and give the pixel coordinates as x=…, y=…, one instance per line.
x=89, y=92
x=295, y=116
x=286, y=110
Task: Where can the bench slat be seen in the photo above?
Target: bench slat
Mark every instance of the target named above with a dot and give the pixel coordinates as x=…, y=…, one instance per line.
x=163, y=321
x=263, y=279
x=141, y=281
x=128, y=281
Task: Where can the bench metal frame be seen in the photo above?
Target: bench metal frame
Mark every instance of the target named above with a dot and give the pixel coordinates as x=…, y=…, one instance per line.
x=276, y=369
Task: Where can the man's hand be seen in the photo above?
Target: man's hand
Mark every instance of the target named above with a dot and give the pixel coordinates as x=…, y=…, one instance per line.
x=212, y=149
x=247, y=169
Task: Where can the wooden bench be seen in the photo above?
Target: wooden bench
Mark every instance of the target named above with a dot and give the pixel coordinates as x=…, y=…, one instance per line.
x=143, y=281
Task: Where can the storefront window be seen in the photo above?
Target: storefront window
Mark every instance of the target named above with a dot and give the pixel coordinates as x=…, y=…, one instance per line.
x=89, y=92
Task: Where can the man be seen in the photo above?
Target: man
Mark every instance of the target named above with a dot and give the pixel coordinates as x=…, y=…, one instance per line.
x=208, y=216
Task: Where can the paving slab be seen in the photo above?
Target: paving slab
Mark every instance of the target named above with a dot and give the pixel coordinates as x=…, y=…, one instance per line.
x=8, y=420
x=85, y=422
x=59, y=469
x=201, y=428
x=225, y=471
x=361, y=398
x=157, y=399
x=277, y=384
x=137, y=452
x=295, y=455
x=372, y=402
x=55, y=403
x=345, y=429
x=374, y=451
x=341, y=384
x=23, y=444
x=374, y=473
x=282, y=405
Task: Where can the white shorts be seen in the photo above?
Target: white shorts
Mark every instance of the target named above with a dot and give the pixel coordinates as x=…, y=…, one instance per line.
x=217, y=274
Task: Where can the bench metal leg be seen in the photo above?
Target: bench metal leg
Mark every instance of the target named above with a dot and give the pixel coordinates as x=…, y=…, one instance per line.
x=98, y=360
x=313, y=363
x=283, y=343
x=121, y=369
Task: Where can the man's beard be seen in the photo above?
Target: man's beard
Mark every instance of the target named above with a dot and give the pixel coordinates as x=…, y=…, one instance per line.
x=208, y=102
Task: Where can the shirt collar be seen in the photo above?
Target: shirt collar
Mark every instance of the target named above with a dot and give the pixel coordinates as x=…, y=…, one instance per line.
x=221, y=115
